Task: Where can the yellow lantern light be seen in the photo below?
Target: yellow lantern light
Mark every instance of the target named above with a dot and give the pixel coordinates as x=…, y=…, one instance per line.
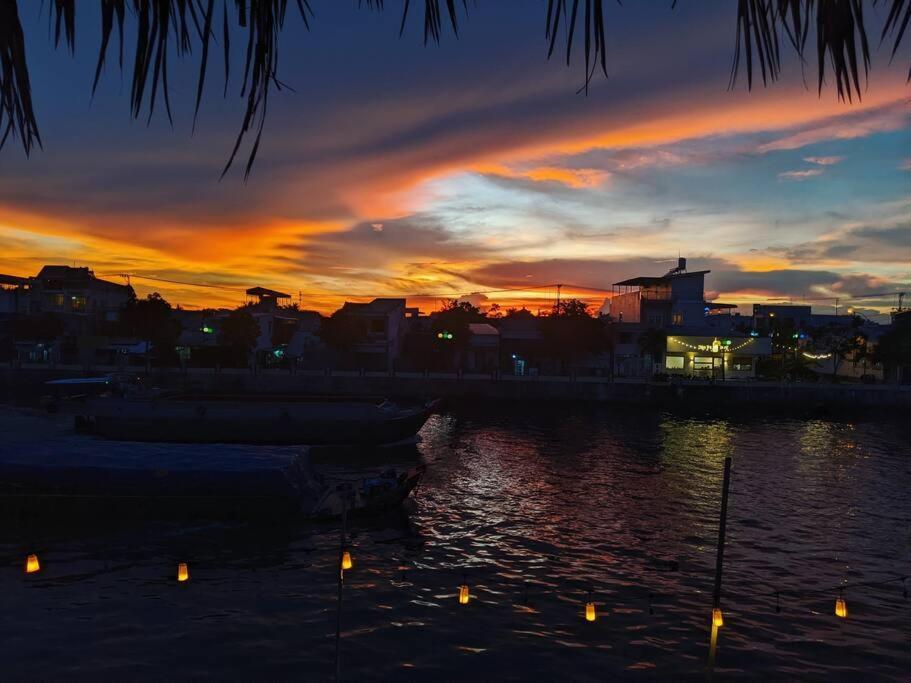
x=590, y=613
x=347, y=562
x=463, y=594
x=841, y=607
x=717, y=618
x=183, y=573
x=31, y=564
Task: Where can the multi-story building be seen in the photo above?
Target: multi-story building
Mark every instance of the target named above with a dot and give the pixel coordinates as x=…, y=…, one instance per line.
x=675, y=299
x=64, y=289
x=382, y=327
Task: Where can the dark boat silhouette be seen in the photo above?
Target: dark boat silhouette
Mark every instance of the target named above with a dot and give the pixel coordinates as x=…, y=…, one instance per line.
x=253, y=419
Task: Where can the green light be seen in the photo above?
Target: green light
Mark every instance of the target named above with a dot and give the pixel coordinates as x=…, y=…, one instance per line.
x=794, y=336
x=449, y=335
x=727, y=342
x=207, y=330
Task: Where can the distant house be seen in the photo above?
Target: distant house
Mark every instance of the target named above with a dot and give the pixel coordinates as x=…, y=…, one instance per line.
x=382, y=326
x=520, y=342
x=675, y=299
x=483, y=352
x=769, y=317
x=76, y=291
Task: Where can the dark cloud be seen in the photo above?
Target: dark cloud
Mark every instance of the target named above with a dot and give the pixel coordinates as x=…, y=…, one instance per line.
x=864, y=243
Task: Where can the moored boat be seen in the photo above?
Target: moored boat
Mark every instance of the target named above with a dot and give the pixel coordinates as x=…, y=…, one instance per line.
x=184, y=481
x=264, y=419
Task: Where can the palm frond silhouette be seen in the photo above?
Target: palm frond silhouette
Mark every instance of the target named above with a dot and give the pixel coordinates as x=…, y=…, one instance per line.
x=763, y=30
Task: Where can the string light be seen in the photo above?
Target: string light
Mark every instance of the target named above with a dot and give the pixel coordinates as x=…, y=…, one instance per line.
x=727, y=348
x=31, y=564
x=347, y=562
x=183, y=572
x=817, y=356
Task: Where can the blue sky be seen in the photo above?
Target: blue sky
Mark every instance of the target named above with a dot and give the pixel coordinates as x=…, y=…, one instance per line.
x=395, y=168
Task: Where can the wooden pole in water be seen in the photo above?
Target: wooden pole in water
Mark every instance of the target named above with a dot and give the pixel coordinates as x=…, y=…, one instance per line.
x=341, y=581
x=719, y=559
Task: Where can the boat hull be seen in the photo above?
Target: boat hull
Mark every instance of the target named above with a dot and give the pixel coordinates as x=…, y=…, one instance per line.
x=287, y=423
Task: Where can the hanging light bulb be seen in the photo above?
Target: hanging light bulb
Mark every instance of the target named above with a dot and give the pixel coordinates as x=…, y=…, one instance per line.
x=841, y=607
x=183, y=573
x=347, y=562
x=590, y=612
x=463, y=592
x=717, y=618
x=31, y=564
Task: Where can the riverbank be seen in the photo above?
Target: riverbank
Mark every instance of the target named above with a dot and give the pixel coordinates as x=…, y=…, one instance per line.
x=26, y=385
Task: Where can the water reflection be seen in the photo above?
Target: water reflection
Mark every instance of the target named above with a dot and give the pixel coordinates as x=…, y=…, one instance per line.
x=535, y=508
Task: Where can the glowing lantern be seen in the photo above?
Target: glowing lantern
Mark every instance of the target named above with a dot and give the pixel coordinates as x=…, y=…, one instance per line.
x=841, y=607
x=31, y=564
x=463, y=594
x=717, y=618
x=183, y=573
x=347, y=562
x=590, y=614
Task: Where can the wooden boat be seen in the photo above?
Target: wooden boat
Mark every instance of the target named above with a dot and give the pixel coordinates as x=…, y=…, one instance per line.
x=182, y=482
x=261, y=419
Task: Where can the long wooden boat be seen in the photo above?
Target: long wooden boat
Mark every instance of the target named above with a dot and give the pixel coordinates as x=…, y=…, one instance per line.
x=181, y=481
x=262, y=419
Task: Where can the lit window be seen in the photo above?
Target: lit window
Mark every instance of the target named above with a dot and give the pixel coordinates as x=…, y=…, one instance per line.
x=673, y=362
x=742, y=363
x=703, y=362
x=78, y=303
x=677, y=319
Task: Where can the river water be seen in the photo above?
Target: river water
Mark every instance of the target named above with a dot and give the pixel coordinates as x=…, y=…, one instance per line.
x=533, y=507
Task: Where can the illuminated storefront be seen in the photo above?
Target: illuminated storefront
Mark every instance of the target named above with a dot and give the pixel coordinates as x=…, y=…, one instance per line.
x=715, y=357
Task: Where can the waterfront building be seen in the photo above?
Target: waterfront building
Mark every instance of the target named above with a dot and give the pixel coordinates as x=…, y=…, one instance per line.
x=770, y=317
x=735, y=356
x=382, y=328
x=483, y=353
x=675, y=299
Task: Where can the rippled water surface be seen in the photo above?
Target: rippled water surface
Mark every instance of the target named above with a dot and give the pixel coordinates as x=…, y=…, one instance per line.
x=534, y=506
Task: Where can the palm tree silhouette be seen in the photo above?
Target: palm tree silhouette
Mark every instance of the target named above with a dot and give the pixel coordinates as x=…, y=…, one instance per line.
x=762, y=27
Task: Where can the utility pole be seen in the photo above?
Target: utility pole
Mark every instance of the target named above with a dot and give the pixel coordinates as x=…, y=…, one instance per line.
x=719, y=562
x=559, y=287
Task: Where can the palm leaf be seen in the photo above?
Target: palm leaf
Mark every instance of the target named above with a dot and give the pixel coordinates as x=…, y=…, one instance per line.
x=17, y=113
x=164, y=26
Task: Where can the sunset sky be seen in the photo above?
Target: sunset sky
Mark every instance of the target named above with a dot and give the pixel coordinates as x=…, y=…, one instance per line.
x=395, y=169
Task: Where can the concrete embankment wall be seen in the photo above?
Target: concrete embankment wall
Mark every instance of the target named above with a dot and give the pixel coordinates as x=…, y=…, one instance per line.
x=26, y=385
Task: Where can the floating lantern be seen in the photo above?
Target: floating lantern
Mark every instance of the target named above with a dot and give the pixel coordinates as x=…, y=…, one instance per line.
x=717, y=618
x=183, y=573
x=841, y=607
x=463, y=594
x=590, y=614
x=347, y=562
x=31, y=564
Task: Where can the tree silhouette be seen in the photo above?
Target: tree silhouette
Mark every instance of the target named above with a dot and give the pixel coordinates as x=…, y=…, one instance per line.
x=570, y=331
x=239, y=331
x=184, y=26
x=150, y=319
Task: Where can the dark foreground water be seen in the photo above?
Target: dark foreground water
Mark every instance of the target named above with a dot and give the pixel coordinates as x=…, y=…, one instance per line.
x=536, y=506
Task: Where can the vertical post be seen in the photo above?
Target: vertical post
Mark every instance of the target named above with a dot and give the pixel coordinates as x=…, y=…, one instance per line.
x=341, y=581
x=719, y=558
